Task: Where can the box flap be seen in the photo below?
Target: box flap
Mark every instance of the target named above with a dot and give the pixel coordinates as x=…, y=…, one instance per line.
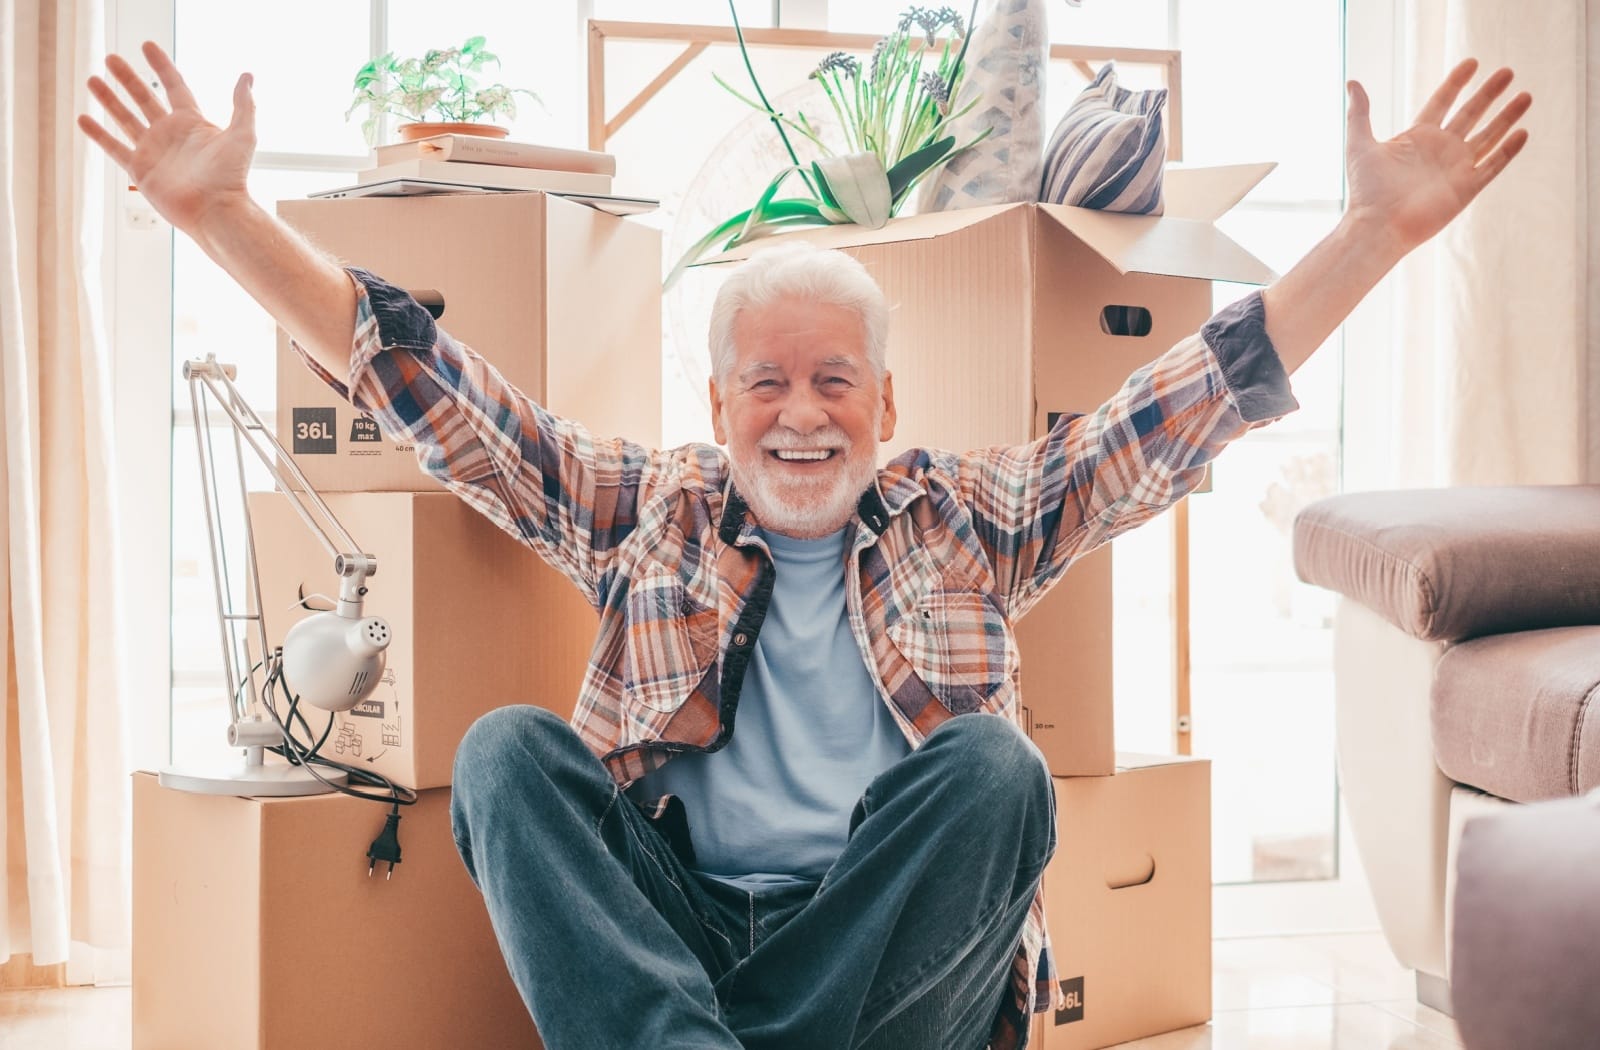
x=1207, y=193
x=1161, y=244
x=1131, y=760
x=849, y=235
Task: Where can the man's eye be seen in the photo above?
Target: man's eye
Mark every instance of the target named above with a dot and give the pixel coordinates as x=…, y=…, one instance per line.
x=765, y=382
x=839, y=380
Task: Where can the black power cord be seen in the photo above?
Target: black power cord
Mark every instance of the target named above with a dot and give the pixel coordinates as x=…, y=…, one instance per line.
x=386, y=847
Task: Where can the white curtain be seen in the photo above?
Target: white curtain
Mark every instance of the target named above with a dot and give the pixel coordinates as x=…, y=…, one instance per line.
x=64, y=760
x=1493, y=372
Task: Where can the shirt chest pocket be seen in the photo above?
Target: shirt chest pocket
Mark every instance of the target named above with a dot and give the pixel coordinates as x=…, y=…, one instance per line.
x=956, y=642
x=671, y=642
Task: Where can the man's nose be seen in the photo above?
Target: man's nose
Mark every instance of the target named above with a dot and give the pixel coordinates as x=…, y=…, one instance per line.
x=803, y=412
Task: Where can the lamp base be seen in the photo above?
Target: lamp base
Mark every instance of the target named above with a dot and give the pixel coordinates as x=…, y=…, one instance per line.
x=258, y=781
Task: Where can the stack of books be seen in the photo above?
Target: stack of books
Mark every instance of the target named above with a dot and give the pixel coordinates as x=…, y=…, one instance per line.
x=476, y=160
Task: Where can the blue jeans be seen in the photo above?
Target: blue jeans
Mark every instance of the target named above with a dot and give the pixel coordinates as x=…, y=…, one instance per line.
x=905, y=944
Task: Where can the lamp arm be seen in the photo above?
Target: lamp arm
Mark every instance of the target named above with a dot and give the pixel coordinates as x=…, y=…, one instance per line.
x=351, y=565
x=247, y=425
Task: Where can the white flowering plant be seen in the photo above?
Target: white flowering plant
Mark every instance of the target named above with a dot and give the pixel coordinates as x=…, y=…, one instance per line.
x=893, y=115
x=441, y=85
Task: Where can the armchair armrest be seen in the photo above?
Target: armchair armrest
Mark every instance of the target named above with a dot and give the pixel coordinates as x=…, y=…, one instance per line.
x=1454, y=563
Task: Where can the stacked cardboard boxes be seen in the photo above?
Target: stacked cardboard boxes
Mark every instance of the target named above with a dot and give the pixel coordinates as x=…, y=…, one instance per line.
x=1128, y=895
x=256, y=923
x=564, y=301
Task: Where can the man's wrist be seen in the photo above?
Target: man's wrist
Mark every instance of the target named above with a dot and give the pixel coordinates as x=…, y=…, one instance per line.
x=1369, y=235
x=227, y=213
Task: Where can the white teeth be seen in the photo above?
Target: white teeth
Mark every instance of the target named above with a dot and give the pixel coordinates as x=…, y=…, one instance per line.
x=791, y=454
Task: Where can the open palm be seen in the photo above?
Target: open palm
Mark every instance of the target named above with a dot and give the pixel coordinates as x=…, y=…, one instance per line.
x=1422, y=178
x=183, y=164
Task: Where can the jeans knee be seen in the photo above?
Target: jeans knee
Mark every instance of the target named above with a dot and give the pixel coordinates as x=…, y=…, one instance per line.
x=999, y=770
x=501, y=738
x=990, y=748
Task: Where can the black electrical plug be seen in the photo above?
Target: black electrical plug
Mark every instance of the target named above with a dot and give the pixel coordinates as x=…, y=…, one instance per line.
x=387, y=845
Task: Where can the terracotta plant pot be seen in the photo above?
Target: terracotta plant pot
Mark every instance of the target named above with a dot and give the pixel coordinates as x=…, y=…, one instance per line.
x=423, y=129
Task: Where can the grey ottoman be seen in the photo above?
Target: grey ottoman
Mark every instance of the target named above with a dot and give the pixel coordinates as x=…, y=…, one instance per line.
x=1525, y=956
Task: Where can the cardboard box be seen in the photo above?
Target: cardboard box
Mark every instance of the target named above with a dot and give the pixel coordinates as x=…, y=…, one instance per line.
x=1128, y=898
x=564, y=300
x=997, y=326
x=479, y=622
x=256, y=927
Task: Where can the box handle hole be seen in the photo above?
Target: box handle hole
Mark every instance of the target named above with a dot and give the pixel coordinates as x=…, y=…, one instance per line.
x=1125, y=320
x=1137, y=872
x=430, y=299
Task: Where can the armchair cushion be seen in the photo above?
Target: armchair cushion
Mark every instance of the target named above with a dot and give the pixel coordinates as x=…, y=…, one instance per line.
x=1514, y=714
x=1454, y=563
x=1524, y=965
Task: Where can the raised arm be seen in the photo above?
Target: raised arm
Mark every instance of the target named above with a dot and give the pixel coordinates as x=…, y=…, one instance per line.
x=193, y=173
x=1041, y=505
x=1401, y=192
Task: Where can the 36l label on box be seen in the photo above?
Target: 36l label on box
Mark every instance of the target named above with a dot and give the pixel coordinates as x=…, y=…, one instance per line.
x=314, y=431
x=1072, y=991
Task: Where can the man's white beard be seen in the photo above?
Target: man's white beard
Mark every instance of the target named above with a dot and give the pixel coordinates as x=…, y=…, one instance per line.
x=805, y=508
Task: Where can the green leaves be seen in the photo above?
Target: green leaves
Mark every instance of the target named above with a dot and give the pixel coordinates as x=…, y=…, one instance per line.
x=439, y=85
x=767, y=217
x=859, y=187
x=891, y=113
x=905, y=174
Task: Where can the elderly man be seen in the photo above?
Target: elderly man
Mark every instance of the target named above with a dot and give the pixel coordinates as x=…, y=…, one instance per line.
x=856, y=866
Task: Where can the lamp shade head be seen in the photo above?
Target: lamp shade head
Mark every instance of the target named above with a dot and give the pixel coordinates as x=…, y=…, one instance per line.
x=334, y=662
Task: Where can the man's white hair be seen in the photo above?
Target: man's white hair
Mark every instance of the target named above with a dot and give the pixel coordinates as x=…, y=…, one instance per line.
x=798, y=269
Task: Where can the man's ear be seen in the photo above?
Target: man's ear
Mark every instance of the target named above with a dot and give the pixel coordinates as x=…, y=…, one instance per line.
x=886, y=428
x=717, y=430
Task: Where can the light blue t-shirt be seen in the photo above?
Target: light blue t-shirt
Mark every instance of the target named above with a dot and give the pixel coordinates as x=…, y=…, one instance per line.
x=773, y=806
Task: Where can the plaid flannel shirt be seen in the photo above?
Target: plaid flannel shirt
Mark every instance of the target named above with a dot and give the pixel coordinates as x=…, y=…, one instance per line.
x=949, y=548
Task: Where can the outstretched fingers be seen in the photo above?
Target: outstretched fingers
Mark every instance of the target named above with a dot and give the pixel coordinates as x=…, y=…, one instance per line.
x=1485, y=141
x=106, y=141
x=131, y=125
x=1484, y=173
x=244, y=106
x=1444, y=95
x=1359, y=115
x=136, y=88
x=1466, y=118
x=172, y=81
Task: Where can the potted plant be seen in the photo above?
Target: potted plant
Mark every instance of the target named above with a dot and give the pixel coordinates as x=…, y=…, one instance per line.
x=894, y=115
x=439, y=93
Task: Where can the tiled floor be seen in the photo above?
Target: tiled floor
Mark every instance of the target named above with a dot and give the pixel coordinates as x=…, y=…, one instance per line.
x=1333, y=992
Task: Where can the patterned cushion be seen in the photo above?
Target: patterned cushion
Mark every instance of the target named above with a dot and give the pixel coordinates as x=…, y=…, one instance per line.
x=1004, y=71
x=1109, y=151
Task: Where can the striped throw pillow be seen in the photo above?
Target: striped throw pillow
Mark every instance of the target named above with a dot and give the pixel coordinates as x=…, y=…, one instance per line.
x=1110, y=149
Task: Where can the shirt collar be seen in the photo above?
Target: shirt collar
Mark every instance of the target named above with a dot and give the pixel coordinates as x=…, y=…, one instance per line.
x=888, y=495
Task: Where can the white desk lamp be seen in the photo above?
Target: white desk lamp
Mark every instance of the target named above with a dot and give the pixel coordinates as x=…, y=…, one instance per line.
x=333, y=658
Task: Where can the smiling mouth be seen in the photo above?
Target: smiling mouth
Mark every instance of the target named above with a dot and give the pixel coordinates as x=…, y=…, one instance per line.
x=821, y=455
